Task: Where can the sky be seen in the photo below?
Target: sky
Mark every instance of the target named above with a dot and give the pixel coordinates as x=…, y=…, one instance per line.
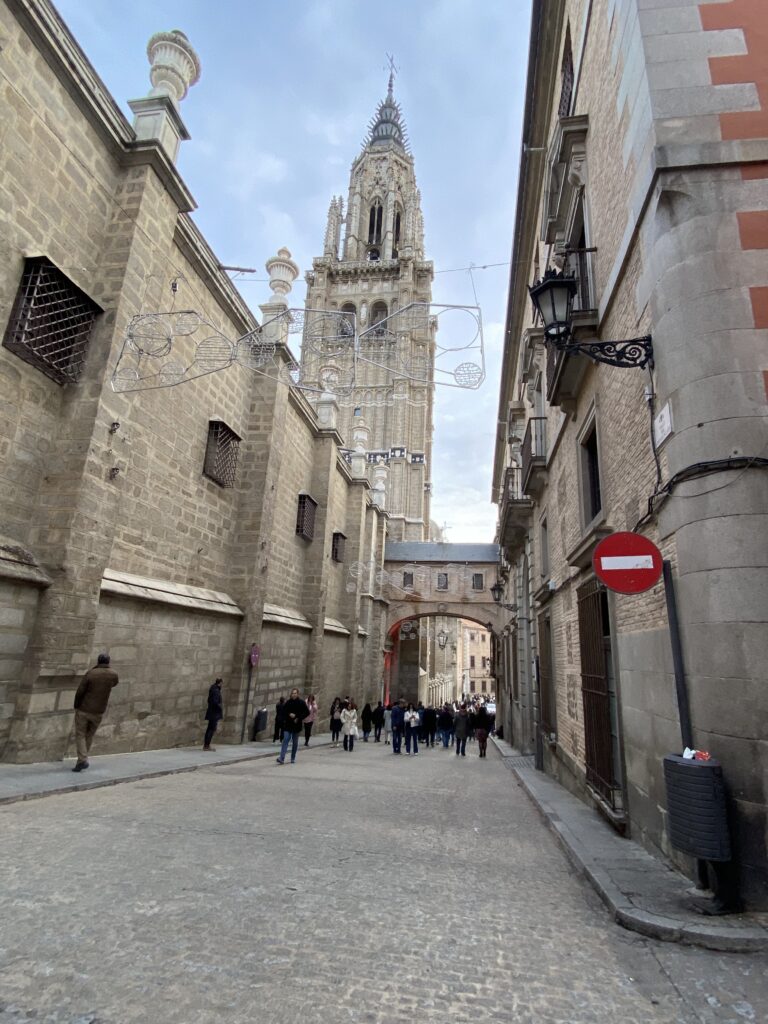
x=279, y=114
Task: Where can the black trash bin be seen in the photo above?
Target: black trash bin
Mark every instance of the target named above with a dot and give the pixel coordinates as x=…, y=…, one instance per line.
x=259, y=722
x=697, y=819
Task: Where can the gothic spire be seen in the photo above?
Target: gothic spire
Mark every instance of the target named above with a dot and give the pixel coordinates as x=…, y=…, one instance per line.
x=387, y=124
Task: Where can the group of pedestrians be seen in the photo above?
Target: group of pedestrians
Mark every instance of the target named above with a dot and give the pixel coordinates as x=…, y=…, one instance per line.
x=452, y=724
x=409, y=724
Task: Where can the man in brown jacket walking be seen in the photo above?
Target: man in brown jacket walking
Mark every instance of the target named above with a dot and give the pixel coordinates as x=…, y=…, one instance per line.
x=91, y=702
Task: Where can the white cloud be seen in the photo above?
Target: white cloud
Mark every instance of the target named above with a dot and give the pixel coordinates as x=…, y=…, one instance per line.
x=249, y=167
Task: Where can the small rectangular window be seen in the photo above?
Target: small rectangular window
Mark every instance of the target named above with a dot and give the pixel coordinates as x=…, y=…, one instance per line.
x=472, y=686
x=337, y=547
x=544, y=536
x=477, y=581
x=220, y=463
x=407, y=580
x=471, y=638
x=593, y=500
x=471, y=661
x=442, y=581
x=51, y=321
x=305, y=517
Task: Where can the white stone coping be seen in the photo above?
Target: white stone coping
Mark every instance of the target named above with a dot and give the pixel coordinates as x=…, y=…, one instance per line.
x=143, y=588
x=20, y=565
x=362, y=632
x=285, y=617
x=334, y=626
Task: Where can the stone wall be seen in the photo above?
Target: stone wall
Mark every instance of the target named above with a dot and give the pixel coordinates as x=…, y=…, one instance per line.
x=671, y=101
x=166, y=658
x=96, y=483
x=18, y=608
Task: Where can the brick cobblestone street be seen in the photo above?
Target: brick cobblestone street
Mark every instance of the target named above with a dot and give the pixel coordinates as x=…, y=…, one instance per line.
x=366, y=888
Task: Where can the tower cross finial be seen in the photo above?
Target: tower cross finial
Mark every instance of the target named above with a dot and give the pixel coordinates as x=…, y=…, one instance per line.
x=393, y=69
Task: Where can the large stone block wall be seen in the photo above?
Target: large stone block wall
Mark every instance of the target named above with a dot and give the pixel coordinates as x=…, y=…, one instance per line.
x=283, y=665
x=166, y=658
x=288, y=553
x=676, y=204
x=18, y=608
x=57, y=189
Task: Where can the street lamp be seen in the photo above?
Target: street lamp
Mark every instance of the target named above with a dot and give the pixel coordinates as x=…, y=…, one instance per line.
x=442, y=639
x=553, y=297
x=497, y=592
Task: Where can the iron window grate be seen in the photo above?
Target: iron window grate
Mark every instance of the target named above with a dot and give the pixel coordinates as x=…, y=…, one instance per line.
x=566, y=81
x=338, y=545
x=442, y=581
x=221, y=454
x=478, y=583
x=305, y=517
x=50, y=322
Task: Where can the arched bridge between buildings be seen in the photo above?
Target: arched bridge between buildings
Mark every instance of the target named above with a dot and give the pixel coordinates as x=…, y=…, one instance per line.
x=426, y=578
x=433, y=580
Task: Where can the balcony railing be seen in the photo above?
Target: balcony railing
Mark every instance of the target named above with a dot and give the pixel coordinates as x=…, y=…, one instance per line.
x=580, y=263
x=513, y=490
x=534, y=452
x=514, y=511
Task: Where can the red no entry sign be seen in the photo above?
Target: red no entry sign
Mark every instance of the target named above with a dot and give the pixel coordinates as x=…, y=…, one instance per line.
x=627, y=563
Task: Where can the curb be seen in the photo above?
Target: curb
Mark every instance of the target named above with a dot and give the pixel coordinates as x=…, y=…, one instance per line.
x=80, y=787
x=749, y=939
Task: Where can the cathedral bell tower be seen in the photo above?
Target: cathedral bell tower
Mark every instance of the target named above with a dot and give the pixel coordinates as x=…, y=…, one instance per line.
x=373, y=268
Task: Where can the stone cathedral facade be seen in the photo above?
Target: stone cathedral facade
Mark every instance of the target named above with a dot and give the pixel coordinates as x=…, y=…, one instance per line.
x=373, y=269
x=214, y=528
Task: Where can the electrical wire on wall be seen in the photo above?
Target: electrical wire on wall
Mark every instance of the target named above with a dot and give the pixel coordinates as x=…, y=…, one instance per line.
x=695, y=471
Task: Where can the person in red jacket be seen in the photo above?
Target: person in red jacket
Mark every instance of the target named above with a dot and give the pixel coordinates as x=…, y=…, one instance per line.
x=91, y=701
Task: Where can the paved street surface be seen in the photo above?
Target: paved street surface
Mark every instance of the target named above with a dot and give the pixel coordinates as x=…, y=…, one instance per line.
x=361, y=887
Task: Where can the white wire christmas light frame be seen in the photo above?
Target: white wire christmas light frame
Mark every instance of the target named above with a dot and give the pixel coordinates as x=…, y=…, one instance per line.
x=165, y=349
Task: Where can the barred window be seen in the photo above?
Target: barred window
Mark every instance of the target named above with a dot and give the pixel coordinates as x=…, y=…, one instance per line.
x=338, y=544
x=442, y=581
x=50, y=322
x=407, y=580
x=566, y=78
x=305, y=517
x=477, y=581
x=220, y=463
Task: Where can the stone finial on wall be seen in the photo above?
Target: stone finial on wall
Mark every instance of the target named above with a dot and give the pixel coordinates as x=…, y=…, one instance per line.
x=282, y=273
x=379, y=496
x=174, y=64
x=328, y=411
x=174, y=68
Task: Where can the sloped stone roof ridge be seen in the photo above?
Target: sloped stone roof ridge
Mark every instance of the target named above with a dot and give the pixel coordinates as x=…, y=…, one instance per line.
x=431, y=551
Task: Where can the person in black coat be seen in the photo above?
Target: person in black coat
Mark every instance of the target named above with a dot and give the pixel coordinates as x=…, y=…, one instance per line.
x=295, y=711
x=278, y=733
x=445, y=724
x=214, y=713
x=429, y=723
x=367, y=720
x=378, y=721
x=482, y=728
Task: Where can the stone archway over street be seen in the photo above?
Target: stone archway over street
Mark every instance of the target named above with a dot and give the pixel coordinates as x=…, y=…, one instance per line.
x=424, y=579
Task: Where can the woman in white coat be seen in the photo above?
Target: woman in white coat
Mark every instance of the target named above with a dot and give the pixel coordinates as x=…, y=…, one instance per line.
x=349, y=725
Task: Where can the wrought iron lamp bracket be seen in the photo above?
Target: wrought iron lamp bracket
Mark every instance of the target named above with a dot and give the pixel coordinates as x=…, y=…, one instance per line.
x=626, y=354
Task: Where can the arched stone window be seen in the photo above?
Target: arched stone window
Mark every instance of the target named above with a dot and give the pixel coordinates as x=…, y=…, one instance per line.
x=396, y=241
x=375, y=219
x=378, y=314
x=349, y=311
